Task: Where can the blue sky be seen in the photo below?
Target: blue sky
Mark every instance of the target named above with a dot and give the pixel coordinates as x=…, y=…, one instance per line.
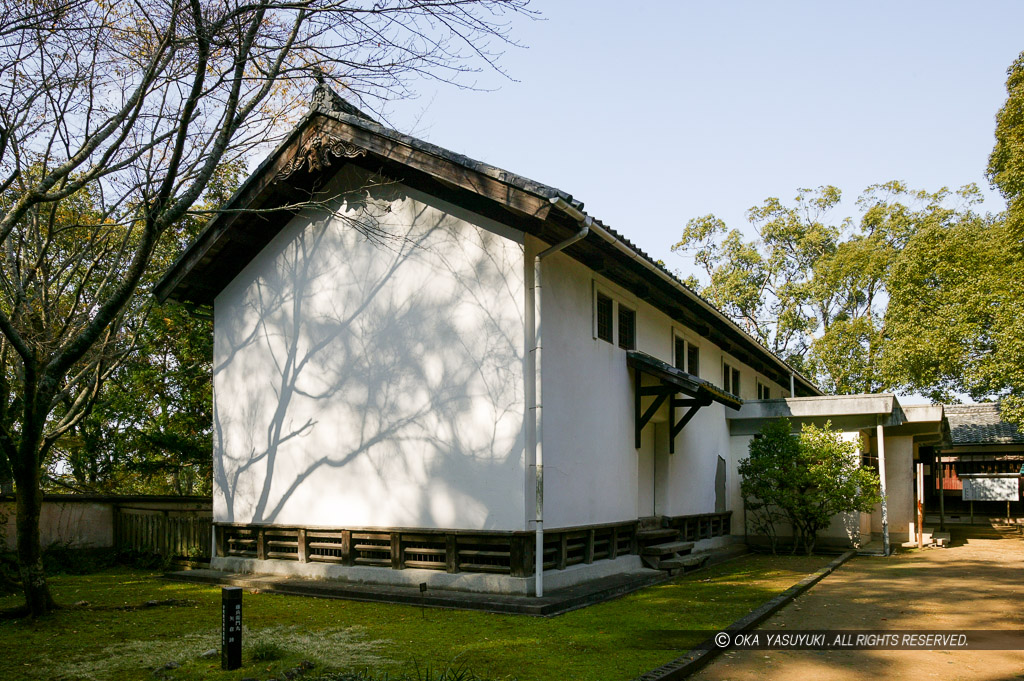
x=654, y=113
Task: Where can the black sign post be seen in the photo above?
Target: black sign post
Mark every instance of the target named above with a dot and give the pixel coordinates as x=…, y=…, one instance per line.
x=230, y=627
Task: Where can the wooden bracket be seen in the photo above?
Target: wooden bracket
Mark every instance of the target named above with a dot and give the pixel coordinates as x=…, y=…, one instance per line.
x=681, y=389
x=661, y=394
x=694, y=405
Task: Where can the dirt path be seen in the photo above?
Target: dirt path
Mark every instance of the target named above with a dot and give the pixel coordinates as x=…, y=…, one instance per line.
x=978, y=583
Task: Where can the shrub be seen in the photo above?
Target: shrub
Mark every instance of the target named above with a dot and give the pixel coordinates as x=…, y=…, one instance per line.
x=807, y=479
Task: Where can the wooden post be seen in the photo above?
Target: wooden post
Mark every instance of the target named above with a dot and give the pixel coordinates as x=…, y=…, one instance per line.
x=164, y=537
x=231, y=627
x=529, y=560
x=613, y=547
x=396, y=551
x=118, y=540
x=942, y=494
x=920, y=504
x=261, y=544
x=451, y=553
x=218, y=535
x=301, y=542
x=517, y=556
x=588, y=554
x=637, y=415
x=880, y=436
x=347, y=554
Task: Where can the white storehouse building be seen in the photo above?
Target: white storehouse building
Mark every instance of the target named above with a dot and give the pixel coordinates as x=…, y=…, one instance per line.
x=436, y=370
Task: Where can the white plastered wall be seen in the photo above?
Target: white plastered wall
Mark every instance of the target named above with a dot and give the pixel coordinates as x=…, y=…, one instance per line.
x=739, y=449
x=899, y=483
x=593, y=473
x=374, y=383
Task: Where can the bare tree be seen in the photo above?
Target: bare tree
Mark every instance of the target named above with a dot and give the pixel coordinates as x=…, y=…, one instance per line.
x=114, y=117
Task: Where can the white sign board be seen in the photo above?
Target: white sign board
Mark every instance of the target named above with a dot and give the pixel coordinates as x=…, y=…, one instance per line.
x=991, y=489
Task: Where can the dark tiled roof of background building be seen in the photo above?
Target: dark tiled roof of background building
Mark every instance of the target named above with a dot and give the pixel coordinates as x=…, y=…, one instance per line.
x=972, y=424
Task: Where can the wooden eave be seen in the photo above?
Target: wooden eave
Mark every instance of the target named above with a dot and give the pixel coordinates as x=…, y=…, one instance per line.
x=632, y=275
x=680, y=380
x=671, y=382
x=266, y=203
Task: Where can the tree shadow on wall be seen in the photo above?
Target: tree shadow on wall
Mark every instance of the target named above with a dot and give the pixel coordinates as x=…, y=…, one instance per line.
x=373, y=382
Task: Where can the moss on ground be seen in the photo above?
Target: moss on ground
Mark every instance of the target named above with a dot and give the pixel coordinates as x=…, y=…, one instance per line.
x=116, y=636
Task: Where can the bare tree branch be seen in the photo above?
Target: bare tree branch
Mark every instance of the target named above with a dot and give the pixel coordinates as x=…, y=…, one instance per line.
x=114, y=120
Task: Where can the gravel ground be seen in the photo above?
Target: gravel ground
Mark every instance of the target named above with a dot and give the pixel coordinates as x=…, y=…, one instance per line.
x=976, y=584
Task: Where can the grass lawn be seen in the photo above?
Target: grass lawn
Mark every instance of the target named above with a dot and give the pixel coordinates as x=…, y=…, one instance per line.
x=113, y=638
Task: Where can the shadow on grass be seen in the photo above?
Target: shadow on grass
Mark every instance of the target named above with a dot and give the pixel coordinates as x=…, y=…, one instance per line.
x=618, y=639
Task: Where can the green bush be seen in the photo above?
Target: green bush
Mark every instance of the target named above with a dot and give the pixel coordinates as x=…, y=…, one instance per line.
x=806, y=480
x=61, y=559
x=58, y=559
x=144, y=560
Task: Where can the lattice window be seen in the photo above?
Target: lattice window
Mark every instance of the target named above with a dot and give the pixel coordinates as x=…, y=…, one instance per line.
x=604, y=317
x=627, y=328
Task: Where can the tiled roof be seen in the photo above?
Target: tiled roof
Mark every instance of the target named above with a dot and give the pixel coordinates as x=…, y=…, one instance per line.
x=330, y=104
x=325, y=102
x=980, y=424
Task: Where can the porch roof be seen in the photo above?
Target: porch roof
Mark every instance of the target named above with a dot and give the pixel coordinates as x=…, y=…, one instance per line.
x=926, y=423
x=688, y=384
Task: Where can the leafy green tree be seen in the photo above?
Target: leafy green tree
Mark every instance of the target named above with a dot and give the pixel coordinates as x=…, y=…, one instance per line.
x=954, y=323
x=809, y=479
x=764, y=284
x=816, y=292
x=1006, y=163
x=764, y=478
x=1001, y=372
x=954, y=315
x=936, y=328
x=150, y=430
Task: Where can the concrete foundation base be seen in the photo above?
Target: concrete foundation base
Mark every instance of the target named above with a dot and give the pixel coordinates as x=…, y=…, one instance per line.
x=410, y=577
x=716, y=543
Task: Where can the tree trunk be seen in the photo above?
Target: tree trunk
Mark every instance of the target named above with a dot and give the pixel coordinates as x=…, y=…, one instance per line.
x=38, y=600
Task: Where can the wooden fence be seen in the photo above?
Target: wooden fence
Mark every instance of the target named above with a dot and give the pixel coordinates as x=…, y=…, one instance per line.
x=169, y=533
